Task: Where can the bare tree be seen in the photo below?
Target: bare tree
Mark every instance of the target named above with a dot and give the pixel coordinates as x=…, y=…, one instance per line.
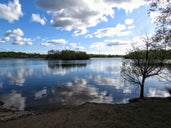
x=142, y=64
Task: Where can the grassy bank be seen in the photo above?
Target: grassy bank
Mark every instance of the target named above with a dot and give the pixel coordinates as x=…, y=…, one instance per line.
x=147, y=113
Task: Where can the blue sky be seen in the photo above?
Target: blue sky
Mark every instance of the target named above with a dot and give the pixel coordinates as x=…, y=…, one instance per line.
x=94, y=26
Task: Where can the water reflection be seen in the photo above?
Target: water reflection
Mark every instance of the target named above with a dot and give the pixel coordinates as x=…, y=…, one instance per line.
x=56, y=71
x=13, y=100
x=38, y=82
x=153, y=92
x=66, y=64
x=40, y=94
x=107, y=81
x=17, y=76
x=79, y=92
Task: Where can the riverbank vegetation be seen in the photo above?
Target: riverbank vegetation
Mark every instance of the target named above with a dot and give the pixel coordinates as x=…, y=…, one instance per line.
x=166, y=53
x=21, y=55
x=56, y=54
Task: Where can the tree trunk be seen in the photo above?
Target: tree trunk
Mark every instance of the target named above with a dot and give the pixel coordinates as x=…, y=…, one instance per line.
x=142, y=89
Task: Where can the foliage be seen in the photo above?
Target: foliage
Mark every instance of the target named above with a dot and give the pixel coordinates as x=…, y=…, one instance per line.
x=67, y=55
x=20, y=55
x=159, y=52
x=162, y=8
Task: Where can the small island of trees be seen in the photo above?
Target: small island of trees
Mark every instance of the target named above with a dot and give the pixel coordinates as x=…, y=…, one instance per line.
x=67, y=55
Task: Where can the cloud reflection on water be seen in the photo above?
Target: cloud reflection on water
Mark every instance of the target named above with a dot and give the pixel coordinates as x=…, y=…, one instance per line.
x=40, y=94
x=79, y=92
x=13, y=101
x=153, y=92
x=18, y=75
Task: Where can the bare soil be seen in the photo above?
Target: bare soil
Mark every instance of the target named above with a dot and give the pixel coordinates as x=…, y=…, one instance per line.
x=141, y=113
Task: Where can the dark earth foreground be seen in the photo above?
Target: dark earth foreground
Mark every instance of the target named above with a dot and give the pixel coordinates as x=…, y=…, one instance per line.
x=140, y=113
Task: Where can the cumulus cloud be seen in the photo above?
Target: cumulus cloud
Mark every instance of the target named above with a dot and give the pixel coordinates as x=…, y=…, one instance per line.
x=109, y=43
x=5, y=39
x=78, y=15
x=119, y=30
x=11, y=12
x=116, y=42
x=111, y=46
x=129, y=21
x=98, y=45
x=53, y=42
x=127, y=5
x=38, y=19
x=16, y=37
x=77, y=47
x=15, y=32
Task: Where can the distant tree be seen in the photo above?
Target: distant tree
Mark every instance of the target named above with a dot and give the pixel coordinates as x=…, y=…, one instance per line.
x=143, y=63
x=162, y=9
x=67, y=55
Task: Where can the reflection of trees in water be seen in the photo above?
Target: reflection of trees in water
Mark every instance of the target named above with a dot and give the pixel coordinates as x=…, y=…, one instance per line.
x=168, y=67
x=167, y=73
x=56, y=65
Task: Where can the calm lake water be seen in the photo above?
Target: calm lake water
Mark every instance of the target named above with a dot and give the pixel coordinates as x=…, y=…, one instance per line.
x=33, y=83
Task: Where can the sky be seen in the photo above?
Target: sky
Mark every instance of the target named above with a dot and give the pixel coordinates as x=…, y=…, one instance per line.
x=93, y=26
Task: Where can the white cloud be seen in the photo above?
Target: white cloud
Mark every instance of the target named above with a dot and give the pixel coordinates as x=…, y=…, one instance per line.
x=76, y=47
x=98, y=45
x=78, y=15
x=53, y=42
x=22, y=41
x=38, y=19
x=116, y=42
x=15, y=32
x=131, y=27
x=112, y=46
x=129, y=21
x=119, y=30
x=127, y=5
x=16, y=37
x=11, y=12
x=5, y=39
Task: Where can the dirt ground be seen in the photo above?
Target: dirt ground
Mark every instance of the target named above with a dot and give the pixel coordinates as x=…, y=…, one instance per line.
x=146, y=113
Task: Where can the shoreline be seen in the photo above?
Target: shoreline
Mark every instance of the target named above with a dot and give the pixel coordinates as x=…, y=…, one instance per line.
x=155, y=112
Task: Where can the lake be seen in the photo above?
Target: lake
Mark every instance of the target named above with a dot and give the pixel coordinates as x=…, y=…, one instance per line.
x=27, y=84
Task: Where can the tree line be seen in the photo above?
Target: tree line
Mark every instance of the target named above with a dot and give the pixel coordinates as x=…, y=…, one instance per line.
x=67, y=55
x=165, y=54
x=21, y=55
